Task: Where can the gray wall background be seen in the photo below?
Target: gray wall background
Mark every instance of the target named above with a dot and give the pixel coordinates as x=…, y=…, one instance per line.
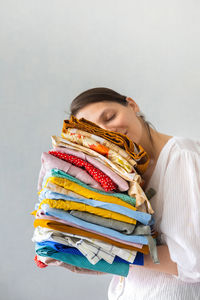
x=50, y=51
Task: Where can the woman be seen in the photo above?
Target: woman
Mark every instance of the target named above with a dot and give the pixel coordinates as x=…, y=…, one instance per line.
x=174, y=173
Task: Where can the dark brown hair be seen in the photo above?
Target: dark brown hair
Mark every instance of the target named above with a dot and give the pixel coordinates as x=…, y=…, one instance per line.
x=101, y=94
x=96, y=95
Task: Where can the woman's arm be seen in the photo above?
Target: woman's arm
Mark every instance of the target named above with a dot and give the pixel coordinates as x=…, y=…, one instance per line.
x=166, y=264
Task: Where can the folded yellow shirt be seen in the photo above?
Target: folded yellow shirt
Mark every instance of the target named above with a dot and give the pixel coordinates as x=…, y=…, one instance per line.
x=78, y=189
x=70, y=205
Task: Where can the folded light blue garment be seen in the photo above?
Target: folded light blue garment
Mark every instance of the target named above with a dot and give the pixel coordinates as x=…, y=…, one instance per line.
x=64, y=215
x=143, y=218
x=118, y=268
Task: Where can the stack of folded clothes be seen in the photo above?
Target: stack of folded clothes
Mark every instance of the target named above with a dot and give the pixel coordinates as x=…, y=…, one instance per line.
x=92, y=213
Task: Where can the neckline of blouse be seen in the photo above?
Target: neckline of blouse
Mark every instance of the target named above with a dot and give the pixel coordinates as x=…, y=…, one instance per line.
x=165, y=147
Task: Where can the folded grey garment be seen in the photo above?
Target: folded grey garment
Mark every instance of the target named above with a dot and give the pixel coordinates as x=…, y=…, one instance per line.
x=142, y=230
x=109, y=223
x=146, y=230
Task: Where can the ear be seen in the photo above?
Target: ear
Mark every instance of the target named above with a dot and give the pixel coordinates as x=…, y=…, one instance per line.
x=133, y=104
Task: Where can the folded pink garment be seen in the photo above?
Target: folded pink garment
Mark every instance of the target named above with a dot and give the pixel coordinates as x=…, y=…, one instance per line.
x=120, y=182
x=104, y=180
x=41, y=215
x=49, y=162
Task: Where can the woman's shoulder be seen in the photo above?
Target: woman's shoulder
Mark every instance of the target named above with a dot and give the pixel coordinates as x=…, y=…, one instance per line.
x=183, y=144
x=177, y=154
x=180, y=155
x=179, y=147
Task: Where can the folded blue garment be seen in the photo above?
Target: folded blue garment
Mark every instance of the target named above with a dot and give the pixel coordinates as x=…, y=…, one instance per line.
x=118, y=268
x=143, y=218
x=139, y=259
x=64, y=215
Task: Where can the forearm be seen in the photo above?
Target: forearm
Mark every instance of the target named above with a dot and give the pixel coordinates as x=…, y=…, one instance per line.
x=166, y=264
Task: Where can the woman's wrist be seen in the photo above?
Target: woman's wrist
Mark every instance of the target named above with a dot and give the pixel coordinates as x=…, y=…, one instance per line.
x=166, y=265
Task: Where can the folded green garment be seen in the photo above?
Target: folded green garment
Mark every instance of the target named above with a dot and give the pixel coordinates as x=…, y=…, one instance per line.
x=118, y=268
x=120, y=226
x=60, y=173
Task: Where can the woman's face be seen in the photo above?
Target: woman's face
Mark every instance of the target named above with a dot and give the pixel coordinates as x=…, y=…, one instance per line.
x=115, y=117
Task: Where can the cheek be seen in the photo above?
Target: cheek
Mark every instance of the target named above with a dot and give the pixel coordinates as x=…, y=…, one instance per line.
x=135, y=131
x=123, y=121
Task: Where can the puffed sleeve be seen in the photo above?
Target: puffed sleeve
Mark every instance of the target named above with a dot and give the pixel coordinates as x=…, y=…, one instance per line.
x=180, y=224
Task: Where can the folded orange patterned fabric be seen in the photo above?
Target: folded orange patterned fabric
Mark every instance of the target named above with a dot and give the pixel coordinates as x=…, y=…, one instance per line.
x=119, y=139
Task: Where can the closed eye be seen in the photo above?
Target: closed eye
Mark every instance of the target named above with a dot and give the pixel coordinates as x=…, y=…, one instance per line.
x=110, y=118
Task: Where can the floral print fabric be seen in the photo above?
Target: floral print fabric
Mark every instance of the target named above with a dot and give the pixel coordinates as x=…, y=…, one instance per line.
x=136, y=151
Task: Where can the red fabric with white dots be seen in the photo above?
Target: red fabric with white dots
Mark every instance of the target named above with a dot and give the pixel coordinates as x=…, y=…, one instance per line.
x=105, y=181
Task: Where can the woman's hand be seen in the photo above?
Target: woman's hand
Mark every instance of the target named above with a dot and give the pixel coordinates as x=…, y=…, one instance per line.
x=43, y=262
x=82, y=270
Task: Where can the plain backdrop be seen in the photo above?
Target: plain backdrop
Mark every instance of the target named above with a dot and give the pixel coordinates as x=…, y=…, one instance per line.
x=52, y=50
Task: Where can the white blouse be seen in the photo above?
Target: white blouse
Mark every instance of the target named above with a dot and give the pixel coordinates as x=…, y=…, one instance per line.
x=176, y=180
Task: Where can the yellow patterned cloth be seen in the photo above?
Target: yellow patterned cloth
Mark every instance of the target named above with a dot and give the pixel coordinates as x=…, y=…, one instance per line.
x=87, y=193
x=70, y=205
